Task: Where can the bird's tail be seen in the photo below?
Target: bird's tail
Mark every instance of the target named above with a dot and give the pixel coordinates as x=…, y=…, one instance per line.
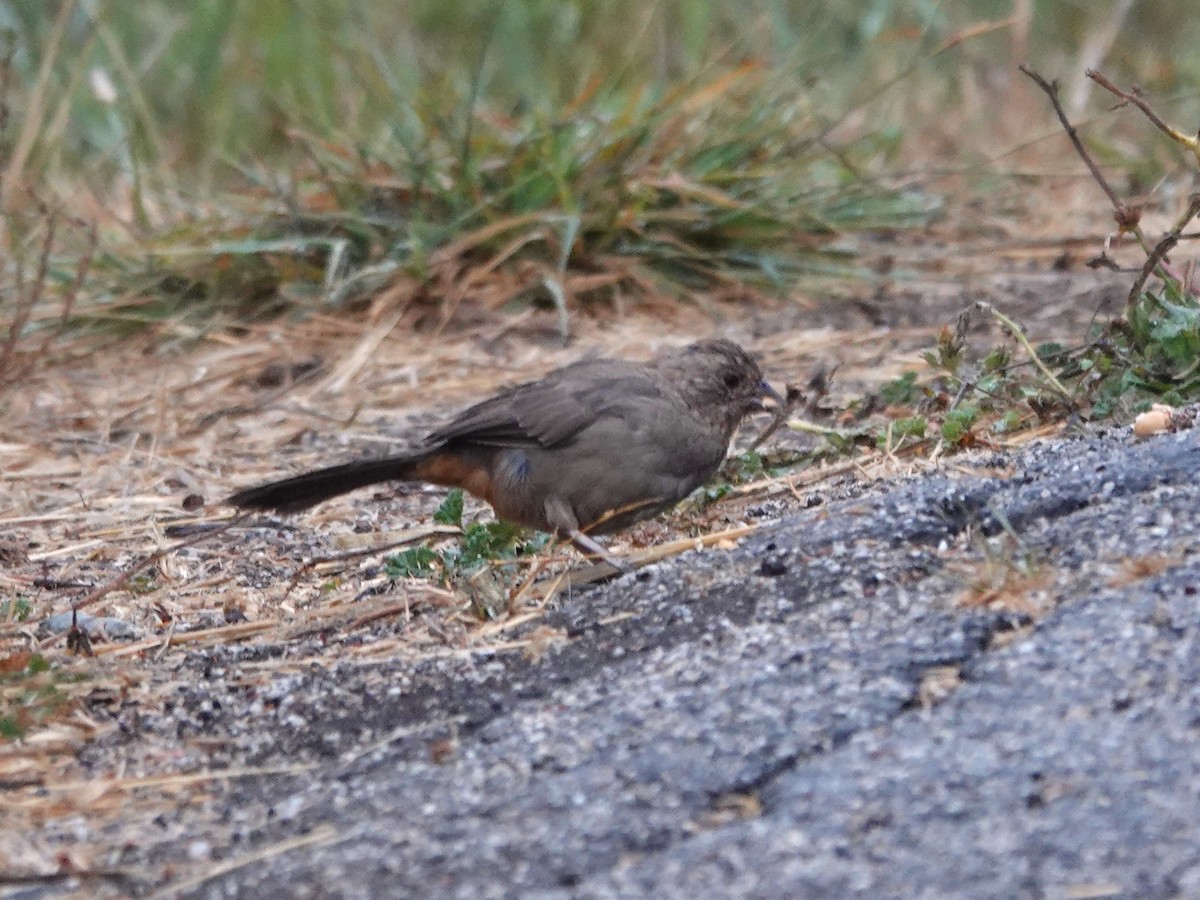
x=311, y=488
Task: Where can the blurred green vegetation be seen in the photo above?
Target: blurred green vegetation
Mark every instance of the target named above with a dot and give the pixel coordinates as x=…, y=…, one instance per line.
x=201, y=83
x=246, y=156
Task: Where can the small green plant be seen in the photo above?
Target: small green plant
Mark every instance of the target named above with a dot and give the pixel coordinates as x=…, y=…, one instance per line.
x=450, y=511
x=1150, y=354
x=16, y=610
x=956, y=428
x=736, y=470
x=481, y=544
x=415, y=562
x=901, y=432
x=902, y=391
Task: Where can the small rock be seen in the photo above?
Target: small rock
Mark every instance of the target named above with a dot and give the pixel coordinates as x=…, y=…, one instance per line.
x=772, y=567
x=92, y=626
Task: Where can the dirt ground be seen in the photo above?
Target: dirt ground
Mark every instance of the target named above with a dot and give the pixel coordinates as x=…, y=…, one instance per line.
x=110, y=455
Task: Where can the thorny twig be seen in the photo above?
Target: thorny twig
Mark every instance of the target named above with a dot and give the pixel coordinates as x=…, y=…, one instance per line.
x=1128, y=217
x=1193, y=144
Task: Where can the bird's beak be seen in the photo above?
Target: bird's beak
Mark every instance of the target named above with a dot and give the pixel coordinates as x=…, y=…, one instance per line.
x=766, y=392
x=780, y=407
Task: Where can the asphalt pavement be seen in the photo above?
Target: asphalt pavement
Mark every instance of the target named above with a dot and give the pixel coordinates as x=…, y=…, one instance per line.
x=983, y=682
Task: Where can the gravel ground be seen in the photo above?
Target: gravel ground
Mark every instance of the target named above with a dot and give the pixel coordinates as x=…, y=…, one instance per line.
x=840, y=706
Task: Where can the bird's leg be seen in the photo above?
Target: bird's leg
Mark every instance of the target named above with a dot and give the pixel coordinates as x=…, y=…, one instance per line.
x=563, y=519
x=590, y=545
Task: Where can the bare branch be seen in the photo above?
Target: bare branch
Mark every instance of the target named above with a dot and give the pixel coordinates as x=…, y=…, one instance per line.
x=1123, y=213
x=1163, y=247
x=1132, y=97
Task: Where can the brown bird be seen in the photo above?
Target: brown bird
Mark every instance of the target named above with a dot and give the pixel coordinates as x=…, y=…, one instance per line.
x=588, y=449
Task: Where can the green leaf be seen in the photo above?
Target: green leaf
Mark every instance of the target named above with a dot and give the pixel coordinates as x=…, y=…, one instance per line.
x=997, y=359
x=1009, y=422
x=958, y=424
x=902, y=391
x=1048, y=350
x=486, y=541
x=912, y=426
x=451, y=510
x=745, y=467
x=416, y=562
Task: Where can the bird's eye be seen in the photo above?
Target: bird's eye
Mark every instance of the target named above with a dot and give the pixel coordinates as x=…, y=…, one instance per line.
x=731, y=379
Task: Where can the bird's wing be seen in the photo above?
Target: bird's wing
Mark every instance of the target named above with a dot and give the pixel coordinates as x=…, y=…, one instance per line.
x=554, y=409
